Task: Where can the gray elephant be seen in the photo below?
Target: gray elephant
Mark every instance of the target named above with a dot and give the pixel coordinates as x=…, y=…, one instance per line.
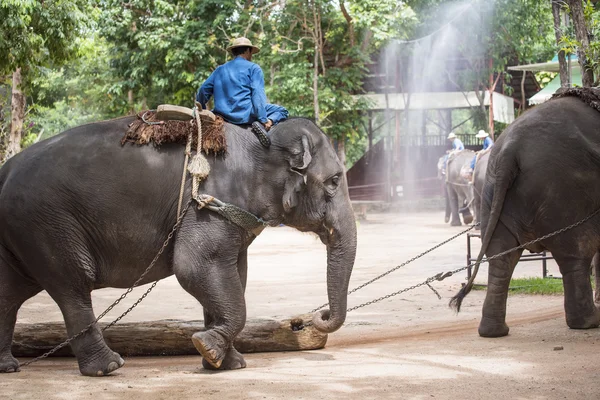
x=478, y=183
x=458, y=191
x=79, y=212
x=542, y=176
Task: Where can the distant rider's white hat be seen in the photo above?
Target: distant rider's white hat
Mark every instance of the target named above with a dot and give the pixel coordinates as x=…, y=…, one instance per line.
x=482, y=134
x=451, y=135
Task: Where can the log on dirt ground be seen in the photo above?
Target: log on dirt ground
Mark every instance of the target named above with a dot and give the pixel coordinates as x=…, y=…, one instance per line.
x=170, y=337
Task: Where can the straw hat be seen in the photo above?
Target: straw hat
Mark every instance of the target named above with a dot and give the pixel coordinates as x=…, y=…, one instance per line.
x=482, y=134
x=243, y=42
x=451, y=135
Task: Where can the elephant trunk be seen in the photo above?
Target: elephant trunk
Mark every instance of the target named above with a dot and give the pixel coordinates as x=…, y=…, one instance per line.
x=341, y=252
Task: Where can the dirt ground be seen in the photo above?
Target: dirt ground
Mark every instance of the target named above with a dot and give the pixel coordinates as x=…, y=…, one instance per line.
x=411, y=346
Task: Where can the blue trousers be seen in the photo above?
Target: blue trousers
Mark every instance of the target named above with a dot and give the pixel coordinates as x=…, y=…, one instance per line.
x=276, y=113
x=473, y=163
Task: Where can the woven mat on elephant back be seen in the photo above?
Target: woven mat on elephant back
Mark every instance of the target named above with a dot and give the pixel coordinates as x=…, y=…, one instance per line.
x=141, y=133
x=590, y=96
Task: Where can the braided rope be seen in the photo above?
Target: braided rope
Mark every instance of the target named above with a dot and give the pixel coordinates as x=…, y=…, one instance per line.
x=196, y=178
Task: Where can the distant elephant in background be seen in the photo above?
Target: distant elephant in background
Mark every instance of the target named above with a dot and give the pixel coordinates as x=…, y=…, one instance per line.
x=459, y=193
x=80, y=212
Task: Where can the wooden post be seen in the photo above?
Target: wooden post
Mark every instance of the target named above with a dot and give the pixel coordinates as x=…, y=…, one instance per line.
x=173, y=337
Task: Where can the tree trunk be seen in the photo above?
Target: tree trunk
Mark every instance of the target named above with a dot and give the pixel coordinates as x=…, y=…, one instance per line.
x=562, y=59
x=581, y=33
x=523, y=94
x=173, y=337
x=341, y=151
x=17, y=116
x=130, y=102
x=316, y=83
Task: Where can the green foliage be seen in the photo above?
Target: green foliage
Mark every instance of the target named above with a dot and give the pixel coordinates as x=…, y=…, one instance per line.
x=570, y=45
x=540, y=286
x=160, y=51
x=39, y=33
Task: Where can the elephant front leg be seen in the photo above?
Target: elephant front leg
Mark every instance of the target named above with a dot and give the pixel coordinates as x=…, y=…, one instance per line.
x=233, y=359
x=493, y=320
x=453, y=200
x=211, y=276
x=447, y=202
x=581, y=313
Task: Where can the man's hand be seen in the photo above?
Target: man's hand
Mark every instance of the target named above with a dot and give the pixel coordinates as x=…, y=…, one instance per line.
x=268, y=124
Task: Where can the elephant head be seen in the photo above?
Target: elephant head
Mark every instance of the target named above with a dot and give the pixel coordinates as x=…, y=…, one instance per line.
x=314, y=197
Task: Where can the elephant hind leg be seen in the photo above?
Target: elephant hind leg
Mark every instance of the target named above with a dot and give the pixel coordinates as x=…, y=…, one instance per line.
x=581, y=313
x=94, y=356
x=500, y=270
x=14, y=291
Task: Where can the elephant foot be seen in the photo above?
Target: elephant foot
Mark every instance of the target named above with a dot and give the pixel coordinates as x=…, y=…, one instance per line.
x=446, y=219
x=211, y=345
x=455, y=223
x=233, y=360
x=468, y=219
x=9, y=364
x=102, y=366
x=583, y=322
x=492, y=329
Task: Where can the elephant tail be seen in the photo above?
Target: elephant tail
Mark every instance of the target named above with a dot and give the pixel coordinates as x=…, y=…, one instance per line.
x=503, y=164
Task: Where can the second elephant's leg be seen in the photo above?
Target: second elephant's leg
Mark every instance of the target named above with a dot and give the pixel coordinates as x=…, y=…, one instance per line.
x=233, y=359
x=581, y=313
x=493, y=319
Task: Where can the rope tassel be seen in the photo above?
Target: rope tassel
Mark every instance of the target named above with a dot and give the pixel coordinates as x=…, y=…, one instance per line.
x=199, y=167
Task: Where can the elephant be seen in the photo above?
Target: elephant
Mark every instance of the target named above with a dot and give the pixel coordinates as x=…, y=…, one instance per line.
x=80, y=212
x=542, y=176
x=478, y=183
x=458, y=191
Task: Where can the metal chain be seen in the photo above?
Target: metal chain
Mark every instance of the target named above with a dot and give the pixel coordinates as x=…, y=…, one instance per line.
x=442, y=276
x=403, y=264
x=113, y=305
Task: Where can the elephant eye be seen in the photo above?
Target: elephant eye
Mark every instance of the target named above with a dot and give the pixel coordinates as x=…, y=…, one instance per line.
x=333, y=182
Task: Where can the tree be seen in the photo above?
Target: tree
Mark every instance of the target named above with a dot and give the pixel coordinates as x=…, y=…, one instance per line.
x=581, y=33
x=558, y=32
x=35, y=34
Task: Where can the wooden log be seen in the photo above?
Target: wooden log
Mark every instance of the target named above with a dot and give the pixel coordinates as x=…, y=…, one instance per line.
x=171, y=337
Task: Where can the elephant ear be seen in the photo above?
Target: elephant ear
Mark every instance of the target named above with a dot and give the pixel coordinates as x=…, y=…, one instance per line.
x=299, y=161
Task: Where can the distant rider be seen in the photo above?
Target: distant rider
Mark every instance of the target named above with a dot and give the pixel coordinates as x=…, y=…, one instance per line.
x=487, y=143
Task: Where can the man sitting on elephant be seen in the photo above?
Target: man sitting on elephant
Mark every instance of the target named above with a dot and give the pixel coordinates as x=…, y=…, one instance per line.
x=487, y=143
x=238, y=88
x=457, y=145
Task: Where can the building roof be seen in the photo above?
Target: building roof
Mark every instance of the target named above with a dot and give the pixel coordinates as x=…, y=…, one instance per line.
x=504, y=108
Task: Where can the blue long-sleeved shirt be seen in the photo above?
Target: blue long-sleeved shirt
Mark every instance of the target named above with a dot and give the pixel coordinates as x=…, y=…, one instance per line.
x=487, y=143
x=457, y=144
x=238, y=88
